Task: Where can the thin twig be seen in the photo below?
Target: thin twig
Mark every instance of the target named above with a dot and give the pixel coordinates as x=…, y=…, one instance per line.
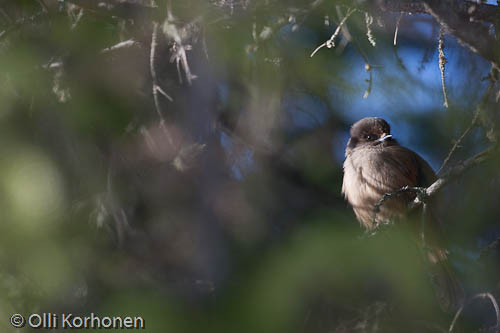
x=77, y=18
x=161, y=91
x=456, y=171
x=495, y=306
x=442, y=63
x=346, y=35
x=331, y=42
x=398, y=59
x=397, y=29
x=423, y=194
x=473, y=123
x=422, y=223
x=178, y=48
x=156, y=88
x=420, y=191
x=457, y=142
x=481, y=295
x=121, y=45
x=152, y=56
x=493, y=245
x=368, y=90
x=395, y=42
x=459, y=312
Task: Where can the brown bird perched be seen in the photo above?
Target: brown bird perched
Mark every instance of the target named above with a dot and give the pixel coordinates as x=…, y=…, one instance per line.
x=376, y=164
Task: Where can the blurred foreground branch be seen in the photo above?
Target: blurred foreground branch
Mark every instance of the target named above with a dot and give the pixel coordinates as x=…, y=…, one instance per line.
x=123, y=9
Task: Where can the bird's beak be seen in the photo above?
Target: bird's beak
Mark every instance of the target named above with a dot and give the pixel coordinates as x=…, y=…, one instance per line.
x=384, y=137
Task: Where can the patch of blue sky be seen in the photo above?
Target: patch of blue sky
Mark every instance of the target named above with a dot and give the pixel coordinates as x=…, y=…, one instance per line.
x=393, y=89
x=241, y=160
x=424, y=28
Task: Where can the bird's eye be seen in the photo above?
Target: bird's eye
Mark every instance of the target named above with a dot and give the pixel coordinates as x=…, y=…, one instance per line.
x=369, y=137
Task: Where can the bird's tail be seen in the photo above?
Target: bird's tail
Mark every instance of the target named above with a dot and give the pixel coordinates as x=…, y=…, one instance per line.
x=448, y=289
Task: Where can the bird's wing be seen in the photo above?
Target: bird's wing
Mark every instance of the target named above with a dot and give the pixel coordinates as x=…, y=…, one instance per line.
x=404, y=161
x=395, y=167
x=426, y=175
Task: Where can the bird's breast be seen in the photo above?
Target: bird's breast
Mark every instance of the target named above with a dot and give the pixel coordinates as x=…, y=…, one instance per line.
x=368, y=175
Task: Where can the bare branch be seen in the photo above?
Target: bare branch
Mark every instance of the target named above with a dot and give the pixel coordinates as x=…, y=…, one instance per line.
x=423, y=194
x=442, y=63
x=472, y=34
x=420, y=191
x=458, y=170
x=331, y=42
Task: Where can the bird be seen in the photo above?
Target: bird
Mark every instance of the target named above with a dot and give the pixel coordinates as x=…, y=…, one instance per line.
x=376, y=164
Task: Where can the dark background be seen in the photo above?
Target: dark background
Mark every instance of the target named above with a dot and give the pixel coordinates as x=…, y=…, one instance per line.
x=218, y=208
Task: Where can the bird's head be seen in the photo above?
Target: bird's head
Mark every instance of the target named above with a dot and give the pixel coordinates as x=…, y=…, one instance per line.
x=370, y=131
